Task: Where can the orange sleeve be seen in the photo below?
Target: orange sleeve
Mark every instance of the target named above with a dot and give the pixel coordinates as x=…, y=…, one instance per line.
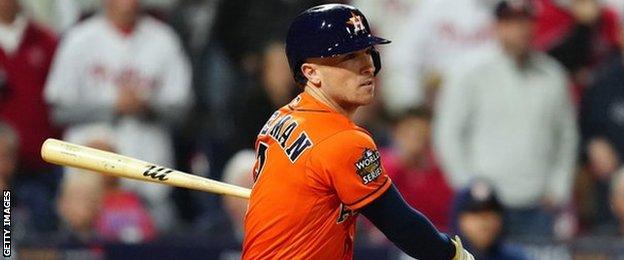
x=349, y=163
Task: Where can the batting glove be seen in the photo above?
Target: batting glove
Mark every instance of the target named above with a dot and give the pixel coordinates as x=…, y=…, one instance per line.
x=460, y=252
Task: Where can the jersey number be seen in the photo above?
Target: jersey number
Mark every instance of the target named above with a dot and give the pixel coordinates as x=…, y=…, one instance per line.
x=261, y=156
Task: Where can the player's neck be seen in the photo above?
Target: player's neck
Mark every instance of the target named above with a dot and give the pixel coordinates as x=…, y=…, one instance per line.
x=322, y=97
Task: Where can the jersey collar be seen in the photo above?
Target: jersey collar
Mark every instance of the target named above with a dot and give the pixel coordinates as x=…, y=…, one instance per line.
x=306, y=102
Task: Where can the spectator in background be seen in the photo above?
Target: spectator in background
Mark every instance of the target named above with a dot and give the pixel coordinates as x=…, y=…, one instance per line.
x=123, y=217
x=409, y=162
x=272, y=88
x=26, y=51
x=112, y=214
x=578, y=33
x=437, y=36
x=61, y=15
x=193, y=21
x=9, y=144
x=602, y=129
x=79, y=204
x=508, y=119
x=128, y=71
x=21, y=223
x=614, y=226
x=478, y=218
x=238, y=172
x=617, y=203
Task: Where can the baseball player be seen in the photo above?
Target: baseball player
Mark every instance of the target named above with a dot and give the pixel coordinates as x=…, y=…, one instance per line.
x=315, y=169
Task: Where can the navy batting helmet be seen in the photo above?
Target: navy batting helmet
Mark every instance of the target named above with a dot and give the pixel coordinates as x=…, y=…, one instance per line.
x=326, y=31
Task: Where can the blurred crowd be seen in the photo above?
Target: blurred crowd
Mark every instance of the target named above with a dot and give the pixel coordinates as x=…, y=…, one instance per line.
x=495, y=118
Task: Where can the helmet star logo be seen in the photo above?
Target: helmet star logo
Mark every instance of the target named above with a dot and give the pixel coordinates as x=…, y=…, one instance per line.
x=357, y=23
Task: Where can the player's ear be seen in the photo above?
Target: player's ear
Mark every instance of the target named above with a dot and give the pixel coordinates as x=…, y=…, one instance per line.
x=311, y=72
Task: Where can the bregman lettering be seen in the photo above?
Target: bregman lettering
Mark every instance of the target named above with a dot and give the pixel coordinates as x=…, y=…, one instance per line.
x=282, y=131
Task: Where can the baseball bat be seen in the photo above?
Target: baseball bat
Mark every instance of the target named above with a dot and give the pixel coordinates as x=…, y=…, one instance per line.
x=69, y=154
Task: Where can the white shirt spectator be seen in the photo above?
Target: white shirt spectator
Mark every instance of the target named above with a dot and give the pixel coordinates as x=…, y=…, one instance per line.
x=61, y=15
x=515, y=127
x=11, y=35
x=388, y=18
x=94, y=59
x=434, y=39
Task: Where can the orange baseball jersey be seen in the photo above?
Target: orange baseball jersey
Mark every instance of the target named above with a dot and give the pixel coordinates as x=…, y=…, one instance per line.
x=314, y=170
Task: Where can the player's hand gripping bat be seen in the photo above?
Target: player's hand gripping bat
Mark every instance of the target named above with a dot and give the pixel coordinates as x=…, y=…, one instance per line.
x=68, y=154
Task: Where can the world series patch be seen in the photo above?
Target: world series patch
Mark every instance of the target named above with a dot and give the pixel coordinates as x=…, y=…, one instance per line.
x=368, y=167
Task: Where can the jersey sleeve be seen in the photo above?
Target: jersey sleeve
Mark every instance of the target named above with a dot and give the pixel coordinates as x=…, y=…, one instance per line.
x=350, y=164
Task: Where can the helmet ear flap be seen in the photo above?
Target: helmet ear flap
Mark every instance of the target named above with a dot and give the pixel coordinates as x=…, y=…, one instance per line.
x=376, y=60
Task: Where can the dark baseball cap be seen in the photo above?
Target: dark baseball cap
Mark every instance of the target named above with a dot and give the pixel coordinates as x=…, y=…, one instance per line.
x=508, y=9
x=479, y=196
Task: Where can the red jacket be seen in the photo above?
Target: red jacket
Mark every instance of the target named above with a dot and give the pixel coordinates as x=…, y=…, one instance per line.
x=554, y=22
x=21, y=100
x=424, y=188
x=123, y=214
